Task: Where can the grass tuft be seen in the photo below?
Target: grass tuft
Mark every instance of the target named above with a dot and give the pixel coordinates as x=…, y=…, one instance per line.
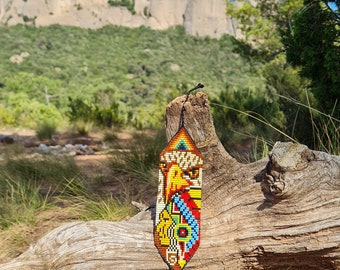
x=26, y=186
x=45, y=131
x=109, y=208
x=35, y=191
x=325, y=132
x=19, y=202
x=140, y=160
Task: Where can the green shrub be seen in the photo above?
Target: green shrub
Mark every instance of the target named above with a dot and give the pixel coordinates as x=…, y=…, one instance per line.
x=291, y=89
x=311, y=42
x=35, y=87
x=236, y=125
x=29, y=112
x=83, y=127
x=124, y=3
x=107, y=116
x=82, y=111
x=238, y=111
x=45, y=131
x=6, y=117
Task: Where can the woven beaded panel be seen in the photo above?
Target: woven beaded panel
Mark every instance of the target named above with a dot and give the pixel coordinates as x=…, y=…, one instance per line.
x=177, y=224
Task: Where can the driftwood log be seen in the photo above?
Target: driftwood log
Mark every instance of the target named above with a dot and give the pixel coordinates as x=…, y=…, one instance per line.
x=282, y=212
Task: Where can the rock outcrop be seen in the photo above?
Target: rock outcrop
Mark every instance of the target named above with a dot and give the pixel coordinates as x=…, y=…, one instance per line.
x=207, y=18
x=199, y=17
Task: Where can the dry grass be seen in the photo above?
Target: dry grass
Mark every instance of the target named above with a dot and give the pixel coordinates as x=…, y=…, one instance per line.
x=40, y=192
x=15, y=239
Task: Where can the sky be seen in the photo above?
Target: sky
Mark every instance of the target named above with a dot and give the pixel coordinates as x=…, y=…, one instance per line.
x=333, y=6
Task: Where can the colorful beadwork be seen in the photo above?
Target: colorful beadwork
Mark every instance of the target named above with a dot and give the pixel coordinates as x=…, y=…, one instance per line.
x=177, y=225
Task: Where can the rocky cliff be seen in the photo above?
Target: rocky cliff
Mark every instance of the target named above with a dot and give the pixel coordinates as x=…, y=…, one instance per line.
x=199, y=17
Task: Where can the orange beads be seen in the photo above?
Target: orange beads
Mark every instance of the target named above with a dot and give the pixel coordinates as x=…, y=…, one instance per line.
x=177, y=229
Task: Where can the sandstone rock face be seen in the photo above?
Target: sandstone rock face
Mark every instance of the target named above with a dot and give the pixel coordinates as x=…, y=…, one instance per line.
x=207, y=18
x=142, y=7
x=199, y=17
x=166, y=13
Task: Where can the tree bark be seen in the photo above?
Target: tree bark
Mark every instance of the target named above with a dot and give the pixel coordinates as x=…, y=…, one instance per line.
x=282, y=212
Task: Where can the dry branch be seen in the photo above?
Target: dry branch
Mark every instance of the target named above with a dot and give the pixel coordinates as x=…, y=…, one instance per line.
x=282, y=212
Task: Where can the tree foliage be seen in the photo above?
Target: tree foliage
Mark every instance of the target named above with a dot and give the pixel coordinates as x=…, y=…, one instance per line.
x=298, y=43
x=312, y=42
x=260, y=23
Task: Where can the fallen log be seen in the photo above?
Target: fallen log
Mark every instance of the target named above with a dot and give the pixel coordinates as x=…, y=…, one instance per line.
x=282, y=212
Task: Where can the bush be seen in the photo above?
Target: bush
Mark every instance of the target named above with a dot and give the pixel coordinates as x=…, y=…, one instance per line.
x=129, y=4
x=291, y=89
x=31, y=113
x=241, y=118
x=83, y=127
x=6, y=117
x=82, y=111
x=311, y=40
x=36, y=87
x=247, y=112
x=45, y=131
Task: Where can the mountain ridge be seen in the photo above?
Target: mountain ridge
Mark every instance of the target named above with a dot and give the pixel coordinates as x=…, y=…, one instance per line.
x=199, y=17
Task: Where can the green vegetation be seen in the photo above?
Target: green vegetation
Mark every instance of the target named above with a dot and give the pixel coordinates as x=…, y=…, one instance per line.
x=129, y=4
x=45, y=190
x=106, y=116
x=313, y=42
x=55, y=76
x=136, y=70
x=26, y=187
x=45, y=131
x=117, y=76
x=306, y=34
x=260, y=24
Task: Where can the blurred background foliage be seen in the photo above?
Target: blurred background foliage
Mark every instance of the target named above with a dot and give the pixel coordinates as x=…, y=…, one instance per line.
x=138, y=70
x=259, y=86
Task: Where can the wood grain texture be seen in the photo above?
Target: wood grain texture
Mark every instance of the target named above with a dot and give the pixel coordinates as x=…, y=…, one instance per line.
x=282, y=212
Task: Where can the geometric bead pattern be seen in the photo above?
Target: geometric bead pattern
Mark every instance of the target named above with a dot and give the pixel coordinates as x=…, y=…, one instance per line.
x=178, y=205
x=190, y=219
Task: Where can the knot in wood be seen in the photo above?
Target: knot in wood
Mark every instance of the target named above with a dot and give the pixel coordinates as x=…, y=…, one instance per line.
x=274, y=184
x=287, y=156
x=284, y=159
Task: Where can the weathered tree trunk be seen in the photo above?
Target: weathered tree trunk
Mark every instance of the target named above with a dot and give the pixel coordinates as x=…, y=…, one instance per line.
x=278, y=213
